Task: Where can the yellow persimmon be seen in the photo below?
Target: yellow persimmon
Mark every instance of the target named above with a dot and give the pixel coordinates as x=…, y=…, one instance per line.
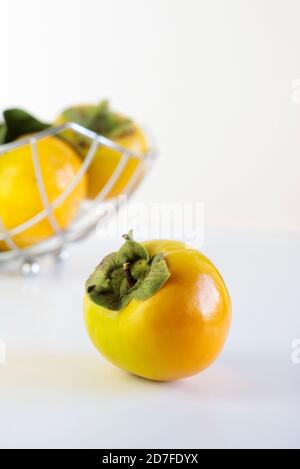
x=119, y=129
x=20, y=199
x=158, y=309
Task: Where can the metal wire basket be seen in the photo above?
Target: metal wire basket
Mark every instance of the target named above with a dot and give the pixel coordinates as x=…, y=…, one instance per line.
x=91, y=211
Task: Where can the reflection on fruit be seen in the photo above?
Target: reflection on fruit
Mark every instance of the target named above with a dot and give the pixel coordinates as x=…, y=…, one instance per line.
x=20, y=199
x=158, y=309
x=120, y=129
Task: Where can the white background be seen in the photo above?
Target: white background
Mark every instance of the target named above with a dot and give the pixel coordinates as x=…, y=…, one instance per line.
x=214, y=82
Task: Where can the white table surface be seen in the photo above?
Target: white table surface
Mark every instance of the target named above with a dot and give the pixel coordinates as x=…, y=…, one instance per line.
x=56, y=391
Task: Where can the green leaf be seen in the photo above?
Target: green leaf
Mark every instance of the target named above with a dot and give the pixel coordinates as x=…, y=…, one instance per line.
x=139, y=269
x=100, y=119
x=124, y=287
x=131, y=250
x=117, y=278
x=82, y=115
x=109, y=300
x=157, y=257
x=99, y=280
x=157, y=277
x=19, y=122
x=2, y=133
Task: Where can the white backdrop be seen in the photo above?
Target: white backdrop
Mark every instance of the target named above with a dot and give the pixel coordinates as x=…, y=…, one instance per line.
x=213, y=79
x=216, y=81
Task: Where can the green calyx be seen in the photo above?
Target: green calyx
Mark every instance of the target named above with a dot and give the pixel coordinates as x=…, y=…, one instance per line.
x=17, y=123
x=127, y=274
x=2, y=133
x=100, y=119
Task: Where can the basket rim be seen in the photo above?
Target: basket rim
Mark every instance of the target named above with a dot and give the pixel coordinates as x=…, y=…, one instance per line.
x=52, y=131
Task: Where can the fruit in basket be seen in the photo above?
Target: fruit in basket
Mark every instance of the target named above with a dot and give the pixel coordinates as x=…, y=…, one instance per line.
x=123, y=131
x=158, y=309
x=20, y=199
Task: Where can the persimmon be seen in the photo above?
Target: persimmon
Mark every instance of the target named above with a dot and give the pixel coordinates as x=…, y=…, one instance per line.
x=158, y=309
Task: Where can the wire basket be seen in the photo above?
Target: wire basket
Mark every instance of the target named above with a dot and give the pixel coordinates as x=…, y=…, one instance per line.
x=90, y=213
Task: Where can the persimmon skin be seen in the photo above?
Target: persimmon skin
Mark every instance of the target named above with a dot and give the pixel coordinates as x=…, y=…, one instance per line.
x=106, y=161
x=20, y=199
x=176, y=333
